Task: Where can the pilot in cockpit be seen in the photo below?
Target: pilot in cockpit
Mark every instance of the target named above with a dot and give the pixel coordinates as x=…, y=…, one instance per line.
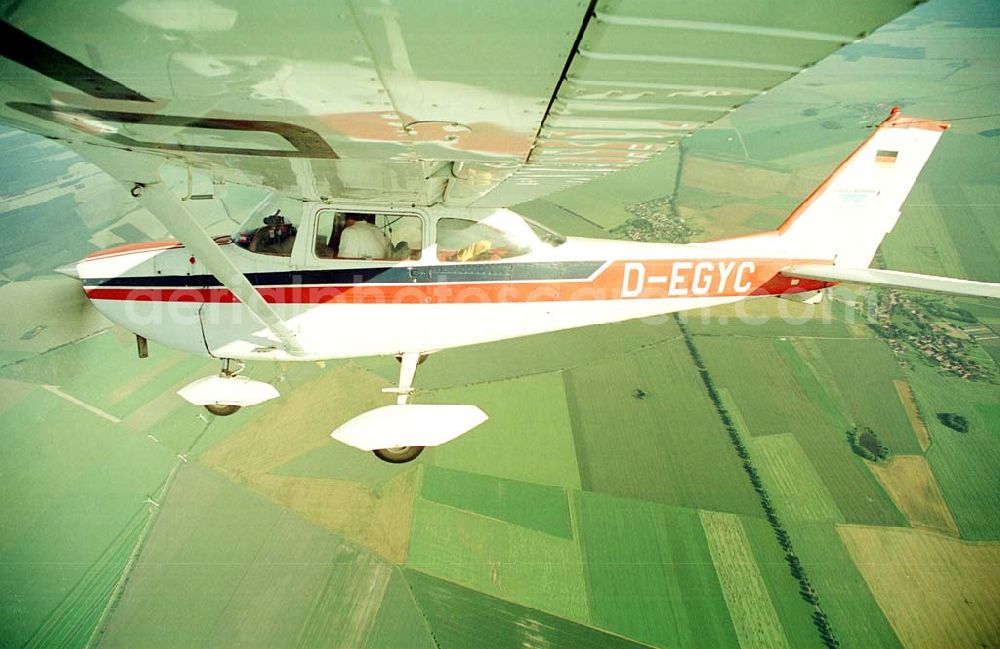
x=275, y=237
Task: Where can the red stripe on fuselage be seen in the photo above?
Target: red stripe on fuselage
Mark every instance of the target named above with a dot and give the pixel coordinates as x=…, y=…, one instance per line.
x=621, y=280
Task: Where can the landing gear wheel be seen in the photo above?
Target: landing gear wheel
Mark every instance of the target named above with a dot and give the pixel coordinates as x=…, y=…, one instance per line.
x=398, y=454
x=221, y=410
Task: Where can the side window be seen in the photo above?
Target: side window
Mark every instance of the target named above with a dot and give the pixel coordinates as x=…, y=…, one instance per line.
x=465, y=240
x=328, y=229
x=357, y=235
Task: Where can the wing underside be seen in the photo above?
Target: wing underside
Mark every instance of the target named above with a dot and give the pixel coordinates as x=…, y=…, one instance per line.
x=894, y=279
x=465, y=103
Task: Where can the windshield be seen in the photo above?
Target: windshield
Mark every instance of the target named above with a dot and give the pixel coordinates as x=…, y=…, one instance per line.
x=271, y=227
x=548, y=236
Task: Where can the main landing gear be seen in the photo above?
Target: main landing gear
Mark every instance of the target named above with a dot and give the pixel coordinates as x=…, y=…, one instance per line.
x=222, y=410
x=407, y=370
x=228, y=371
x=226, y=392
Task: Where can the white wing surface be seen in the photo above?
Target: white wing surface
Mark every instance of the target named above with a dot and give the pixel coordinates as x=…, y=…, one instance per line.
x=486, y=103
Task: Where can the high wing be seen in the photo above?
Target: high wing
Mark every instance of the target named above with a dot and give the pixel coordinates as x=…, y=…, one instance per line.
x=406, y=101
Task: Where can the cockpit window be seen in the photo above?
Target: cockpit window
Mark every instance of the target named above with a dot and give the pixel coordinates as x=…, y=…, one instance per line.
x=360, y=235
x=271, y=228
x=465, y=240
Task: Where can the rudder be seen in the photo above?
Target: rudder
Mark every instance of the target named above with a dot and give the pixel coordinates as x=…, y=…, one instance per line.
x=847, y=216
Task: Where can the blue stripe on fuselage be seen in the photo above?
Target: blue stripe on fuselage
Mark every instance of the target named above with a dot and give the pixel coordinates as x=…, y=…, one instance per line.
x=548, y=271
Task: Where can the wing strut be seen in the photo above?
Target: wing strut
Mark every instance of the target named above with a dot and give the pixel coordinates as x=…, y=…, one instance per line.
x=141, y=174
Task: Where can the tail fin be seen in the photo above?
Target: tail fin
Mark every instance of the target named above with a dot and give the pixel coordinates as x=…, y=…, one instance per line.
x=847, y=216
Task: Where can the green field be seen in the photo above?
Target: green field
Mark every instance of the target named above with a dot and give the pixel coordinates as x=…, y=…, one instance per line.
x=663, y=447
x=793, y=483
x=560, y=219
x=518, y=564
x=537, y=507
x=949, y=228
x=61, y=558
x=771, y=318
x=864, y=371
x=528, y=436
x=650, y=574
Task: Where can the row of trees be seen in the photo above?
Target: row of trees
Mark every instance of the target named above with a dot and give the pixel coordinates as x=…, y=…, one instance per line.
x=806, y=590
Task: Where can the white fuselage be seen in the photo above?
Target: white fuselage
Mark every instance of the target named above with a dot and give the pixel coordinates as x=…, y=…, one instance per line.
x=340, y=308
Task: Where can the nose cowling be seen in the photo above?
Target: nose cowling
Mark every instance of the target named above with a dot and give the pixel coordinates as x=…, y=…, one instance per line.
x=69, y=270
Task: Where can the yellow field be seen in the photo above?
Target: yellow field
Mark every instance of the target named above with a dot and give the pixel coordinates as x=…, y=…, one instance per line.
x=752, y=611
x=377, y=518
x=911, y=485
x=910, y=406
x=937, y=592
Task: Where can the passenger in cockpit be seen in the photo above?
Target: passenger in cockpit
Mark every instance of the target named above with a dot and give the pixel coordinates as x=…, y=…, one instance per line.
x=361, y=239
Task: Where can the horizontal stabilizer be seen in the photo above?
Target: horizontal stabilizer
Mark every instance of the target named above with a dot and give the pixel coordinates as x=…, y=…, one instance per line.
x=408, y=425
x=895, y=279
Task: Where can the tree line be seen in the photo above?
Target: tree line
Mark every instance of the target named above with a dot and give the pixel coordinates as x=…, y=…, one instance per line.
x=795, y=567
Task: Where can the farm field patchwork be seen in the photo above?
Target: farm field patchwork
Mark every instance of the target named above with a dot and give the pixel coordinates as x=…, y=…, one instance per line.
x=642, y=431
x=785, y=397
x=965, y=464
x=462, y=617
x=225, y=567
x=792, y=481
x=650, y=574
x=854, y=614
x=539, y=354
x=750, y=607
x=518, y=564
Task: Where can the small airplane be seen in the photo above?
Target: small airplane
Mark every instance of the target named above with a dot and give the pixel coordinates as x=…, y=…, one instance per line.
x=388, y=231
